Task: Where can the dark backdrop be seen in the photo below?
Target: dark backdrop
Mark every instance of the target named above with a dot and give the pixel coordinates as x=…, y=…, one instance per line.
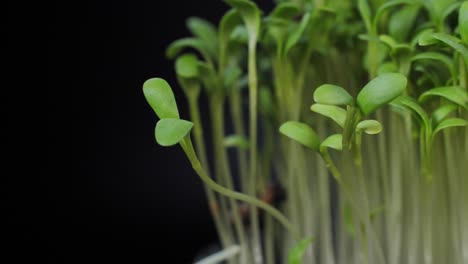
x=109, y=193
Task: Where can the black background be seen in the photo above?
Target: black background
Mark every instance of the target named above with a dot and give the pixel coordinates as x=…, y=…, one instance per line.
x=108, y=192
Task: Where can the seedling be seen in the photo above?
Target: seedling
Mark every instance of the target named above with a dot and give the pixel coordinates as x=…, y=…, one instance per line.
x=395, y=197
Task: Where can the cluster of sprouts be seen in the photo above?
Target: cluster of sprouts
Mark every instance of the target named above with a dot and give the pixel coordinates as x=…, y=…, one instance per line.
x=355, y=109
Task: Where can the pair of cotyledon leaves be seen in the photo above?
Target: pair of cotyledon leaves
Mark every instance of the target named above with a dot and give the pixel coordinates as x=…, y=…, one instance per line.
x=280, y=25
x=207, y=39
x=213, y=45
x=401, y=22
x=328, y=98
x=460, y=45
x=439, y=120
x=438, y=10
x=170, y=129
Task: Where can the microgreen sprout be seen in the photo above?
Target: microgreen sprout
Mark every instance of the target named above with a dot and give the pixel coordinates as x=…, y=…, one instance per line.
x=375, y=174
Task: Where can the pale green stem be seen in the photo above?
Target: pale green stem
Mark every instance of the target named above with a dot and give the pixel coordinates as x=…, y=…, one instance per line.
x=327, y=256
x=348, y=195
x=291, y=187
x=269, y=240
x=222, y=166
x=427, y=198
x=236, y=113
x=371, y=236
x=253, y=94
x=394, y=207
x=372, y=58
x=224, y=254
x=224, y=232
x=361, y=192
x=196, y=165
x=454, y=197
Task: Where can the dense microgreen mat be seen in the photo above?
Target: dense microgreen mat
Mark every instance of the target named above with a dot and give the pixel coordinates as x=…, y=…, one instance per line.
x=337, y=129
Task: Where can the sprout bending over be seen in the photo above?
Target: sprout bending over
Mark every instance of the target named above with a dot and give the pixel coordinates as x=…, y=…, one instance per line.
x=397, y=197
x=171, y=131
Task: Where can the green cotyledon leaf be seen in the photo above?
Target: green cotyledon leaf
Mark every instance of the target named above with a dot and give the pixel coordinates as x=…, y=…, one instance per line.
x=334, y=141
x=249, y=13
x=333, y=112
x=302, y=133
x=286, y=10
x=186, y=66
x=159, y=95
x=330, y=94
x=177, y=46
x=386, y=6
x=370, y=127
x=442, y=112
x=297, y=252
x=296, y=35
x=206, y=32
x=449, y=122
x=411, y=104
x=365, y=11
x=402, y=21
x=380, y=91
x=431, y=55
x=428, y=38
x=170, y=131
x=229, y=22
x=455, y=94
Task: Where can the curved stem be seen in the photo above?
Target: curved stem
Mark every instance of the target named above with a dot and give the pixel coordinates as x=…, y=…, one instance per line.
x=220, y=256
x=222, y=165
x=224, y=232
x=275, y=213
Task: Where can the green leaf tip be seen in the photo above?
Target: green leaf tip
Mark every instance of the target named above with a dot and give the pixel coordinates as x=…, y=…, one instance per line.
x=187, y=66
x=333, y=112
x=334, y=141
x=454, y=94
x=425, y=38
x=170, y=131
x=206, y=32
x=365, y=12
x=296, y=35
x=370, y=127
x=380, y=91
x=385, y=7
x=286, y=10
x=330, y=94
x=236, y=141
x=463, y=21
x=179, y=45
x=297, y=252
x=301, y=133
x=228, y=23
x=449, y=122
x=401, y=21
x=443, y=111
x=412, y=105
x=250, y=14
x=160, y=97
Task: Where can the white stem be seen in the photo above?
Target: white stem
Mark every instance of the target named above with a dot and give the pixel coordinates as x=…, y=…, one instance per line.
x=225, y=254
